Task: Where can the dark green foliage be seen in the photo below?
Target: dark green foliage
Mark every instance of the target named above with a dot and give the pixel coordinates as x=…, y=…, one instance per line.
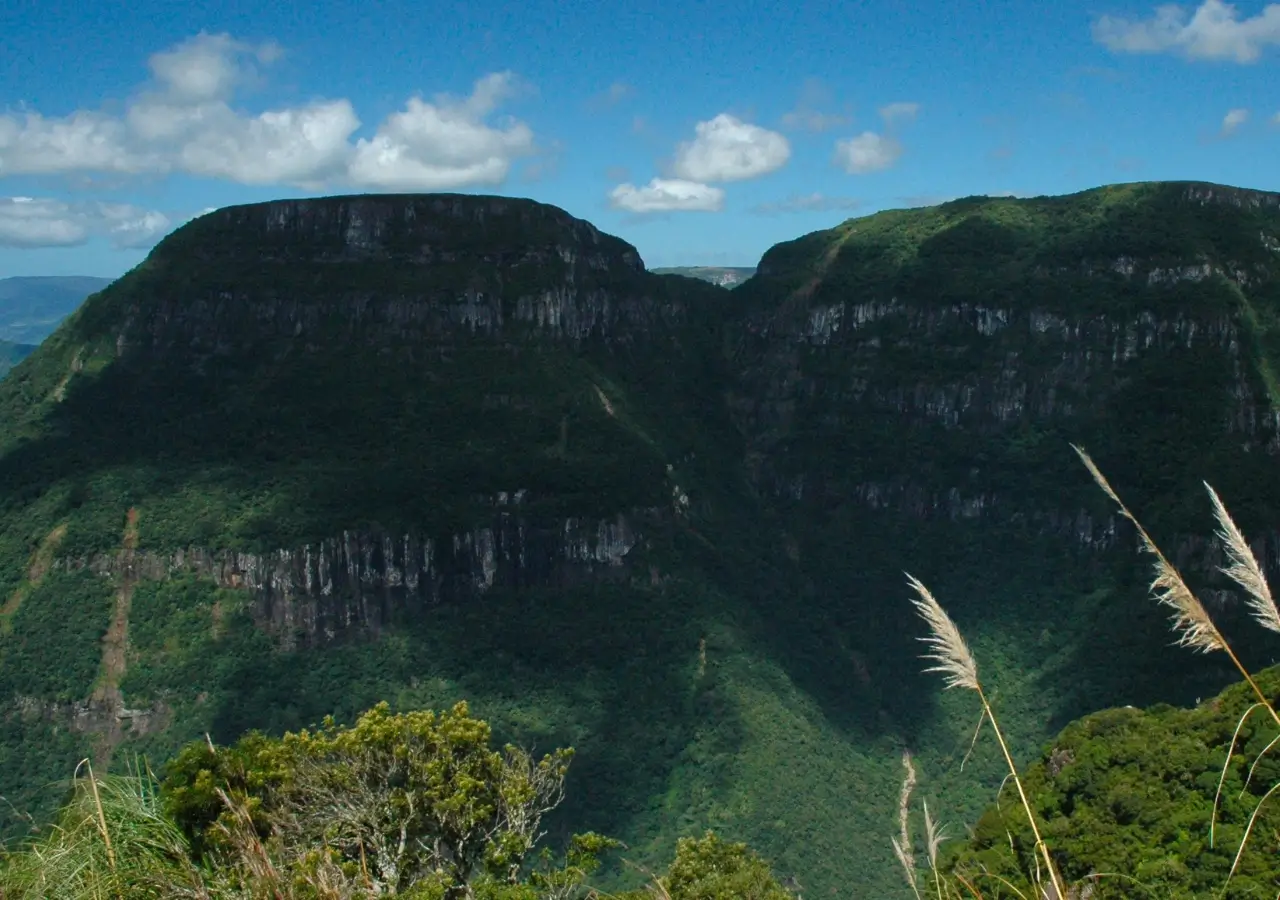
x=753, y=667
x=709, y=868
x=52, y=650
x=413, y=802
x=1131, y=793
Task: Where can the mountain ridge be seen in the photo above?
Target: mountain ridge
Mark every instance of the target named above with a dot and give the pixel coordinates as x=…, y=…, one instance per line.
x=668, y=521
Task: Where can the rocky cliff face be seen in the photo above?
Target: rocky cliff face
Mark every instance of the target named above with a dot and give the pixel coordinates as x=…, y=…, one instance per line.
x=359, y=582
x=1063, y=342
x=381, y=269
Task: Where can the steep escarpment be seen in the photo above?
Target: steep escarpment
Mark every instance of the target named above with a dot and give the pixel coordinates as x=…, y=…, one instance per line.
x=432, y=447
x=381, y=269
x=330, y=423
x=977, y=338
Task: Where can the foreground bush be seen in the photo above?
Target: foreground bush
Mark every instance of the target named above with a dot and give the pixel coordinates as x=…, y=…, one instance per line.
x=416, y=805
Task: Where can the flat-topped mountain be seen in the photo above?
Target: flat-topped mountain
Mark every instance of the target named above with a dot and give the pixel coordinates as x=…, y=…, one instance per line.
x=314, y=454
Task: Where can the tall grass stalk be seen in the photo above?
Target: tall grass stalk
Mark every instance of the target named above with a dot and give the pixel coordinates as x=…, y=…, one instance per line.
x=1191, y=622
x=960, y=669
x=112, y=841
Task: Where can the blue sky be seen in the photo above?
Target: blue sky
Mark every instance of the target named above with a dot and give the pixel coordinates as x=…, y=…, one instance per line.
x=701, y=132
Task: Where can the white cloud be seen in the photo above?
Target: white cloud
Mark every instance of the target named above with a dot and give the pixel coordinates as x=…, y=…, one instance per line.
x=43, y=222
x=183, y=121
x=667, y=195
x=305, y=145
x=807, y=203
x=207, y=66
x=895, y=111
x=444, y=144
x=31, y=144
x=1213, y=32
x=1233, y=120
x=728, y=149
x=868, y=152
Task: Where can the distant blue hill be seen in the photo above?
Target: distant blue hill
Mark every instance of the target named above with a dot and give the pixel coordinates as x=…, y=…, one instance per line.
x=31, y=307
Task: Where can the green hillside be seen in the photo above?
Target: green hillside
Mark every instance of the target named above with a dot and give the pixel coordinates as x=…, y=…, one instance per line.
x=315, y=454
x=1127, y=797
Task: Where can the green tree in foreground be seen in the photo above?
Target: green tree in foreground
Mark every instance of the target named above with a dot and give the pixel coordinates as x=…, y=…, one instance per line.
x=416, y=805
x=709, y=868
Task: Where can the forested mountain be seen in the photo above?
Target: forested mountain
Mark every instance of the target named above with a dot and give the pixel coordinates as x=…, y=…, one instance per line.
x=315, y=454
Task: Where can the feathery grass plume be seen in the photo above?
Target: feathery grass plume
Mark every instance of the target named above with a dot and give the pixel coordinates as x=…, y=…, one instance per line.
x=934, y=835
x=954, y=661
x=908, y=865
x=1244, y=569
x=1191, y=621
x=959, y=669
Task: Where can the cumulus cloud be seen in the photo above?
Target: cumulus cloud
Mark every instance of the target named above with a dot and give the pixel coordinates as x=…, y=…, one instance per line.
x=31, y=144
x=1212, y=32
x=808, y=114
x=667, y=195
x=1232, y=121
x=29, y=222
x=807, y=203
x=727, y=149
x=184, y=121
x=868, y=152
x=208, y=66
x=438, y=145
x=872, y=151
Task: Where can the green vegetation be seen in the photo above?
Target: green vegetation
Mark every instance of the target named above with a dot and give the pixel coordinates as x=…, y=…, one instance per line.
x=416, y=805
x=257, y=390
